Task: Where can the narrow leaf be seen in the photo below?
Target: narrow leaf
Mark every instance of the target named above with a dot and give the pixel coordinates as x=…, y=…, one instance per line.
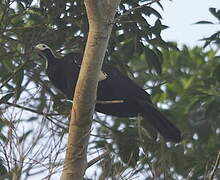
x=153, y=60
x=5, y=98
x=204, y=22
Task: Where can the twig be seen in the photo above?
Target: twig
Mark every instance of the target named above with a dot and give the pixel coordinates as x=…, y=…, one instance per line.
x=110, y=102
x=30, y=110
x=95, y=160
x=215, y=166
x=46, y=115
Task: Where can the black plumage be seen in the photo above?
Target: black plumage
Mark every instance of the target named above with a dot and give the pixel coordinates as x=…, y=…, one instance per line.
x=63, y=72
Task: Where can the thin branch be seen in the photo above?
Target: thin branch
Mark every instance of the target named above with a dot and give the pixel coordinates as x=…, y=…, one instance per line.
x=217, y=162
x=110, y=102
x=30, y=110
x=46, y=115
x=6, y=157
x=95, y=160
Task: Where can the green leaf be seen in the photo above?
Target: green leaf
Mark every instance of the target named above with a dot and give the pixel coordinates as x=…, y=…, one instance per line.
x=160, y=5
x=18, y=81
x=20, y=6
x=5, y=98
x=62, y=106
x=204, y=22
x=213, y=109
x=128, y=146
x=149, y=10
x=33, y=118
x=213, y=38
x=153, y=60
x=19, y=78
x=24, y=136
x=212, y=11
x=215, y=13
x=156, y=29
x=3, y=169
x=216, y=72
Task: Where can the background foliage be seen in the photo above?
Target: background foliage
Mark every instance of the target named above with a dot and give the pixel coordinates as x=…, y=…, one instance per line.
x=184, y=83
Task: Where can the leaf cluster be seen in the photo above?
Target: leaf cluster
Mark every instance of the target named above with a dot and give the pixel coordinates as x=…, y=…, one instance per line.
x=214, y=38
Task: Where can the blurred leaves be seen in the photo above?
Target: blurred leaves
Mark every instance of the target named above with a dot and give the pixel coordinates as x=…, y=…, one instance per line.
x=128, y=146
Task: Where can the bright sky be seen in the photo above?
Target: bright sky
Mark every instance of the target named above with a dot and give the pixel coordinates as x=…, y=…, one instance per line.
x=180, y=15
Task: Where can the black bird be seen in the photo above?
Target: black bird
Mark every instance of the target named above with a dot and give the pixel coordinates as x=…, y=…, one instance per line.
x=113, y=85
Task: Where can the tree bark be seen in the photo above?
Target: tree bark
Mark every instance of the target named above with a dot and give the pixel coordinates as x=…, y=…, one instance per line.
x=100, y=15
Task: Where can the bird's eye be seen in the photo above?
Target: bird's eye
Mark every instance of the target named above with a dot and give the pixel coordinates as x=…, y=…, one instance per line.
x=44, y=46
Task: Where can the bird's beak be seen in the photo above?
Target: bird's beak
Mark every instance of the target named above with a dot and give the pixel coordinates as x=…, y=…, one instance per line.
x=36, y=48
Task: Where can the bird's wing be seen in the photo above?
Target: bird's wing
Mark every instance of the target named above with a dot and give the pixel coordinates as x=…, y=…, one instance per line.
x=120, y=82
x=116, y=79
x=74, y=57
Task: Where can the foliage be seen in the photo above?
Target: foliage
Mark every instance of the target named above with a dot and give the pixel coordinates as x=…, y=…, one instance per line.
x=190, y=96
x=183, y=83
x=214, y=38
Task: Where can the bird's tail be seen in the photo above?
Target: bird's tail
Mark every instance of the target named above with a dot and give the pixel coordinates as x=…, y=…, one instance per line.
x=160, y=122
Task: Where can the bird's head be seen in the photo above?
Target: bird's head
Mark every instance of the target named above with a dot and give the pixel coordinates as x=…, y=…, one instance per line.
x=44, y=50
x=42, y=47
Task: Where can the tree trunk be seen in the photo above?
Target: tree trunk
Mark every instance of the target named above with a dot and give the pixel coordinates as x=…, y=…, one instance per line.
x=100, y=15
